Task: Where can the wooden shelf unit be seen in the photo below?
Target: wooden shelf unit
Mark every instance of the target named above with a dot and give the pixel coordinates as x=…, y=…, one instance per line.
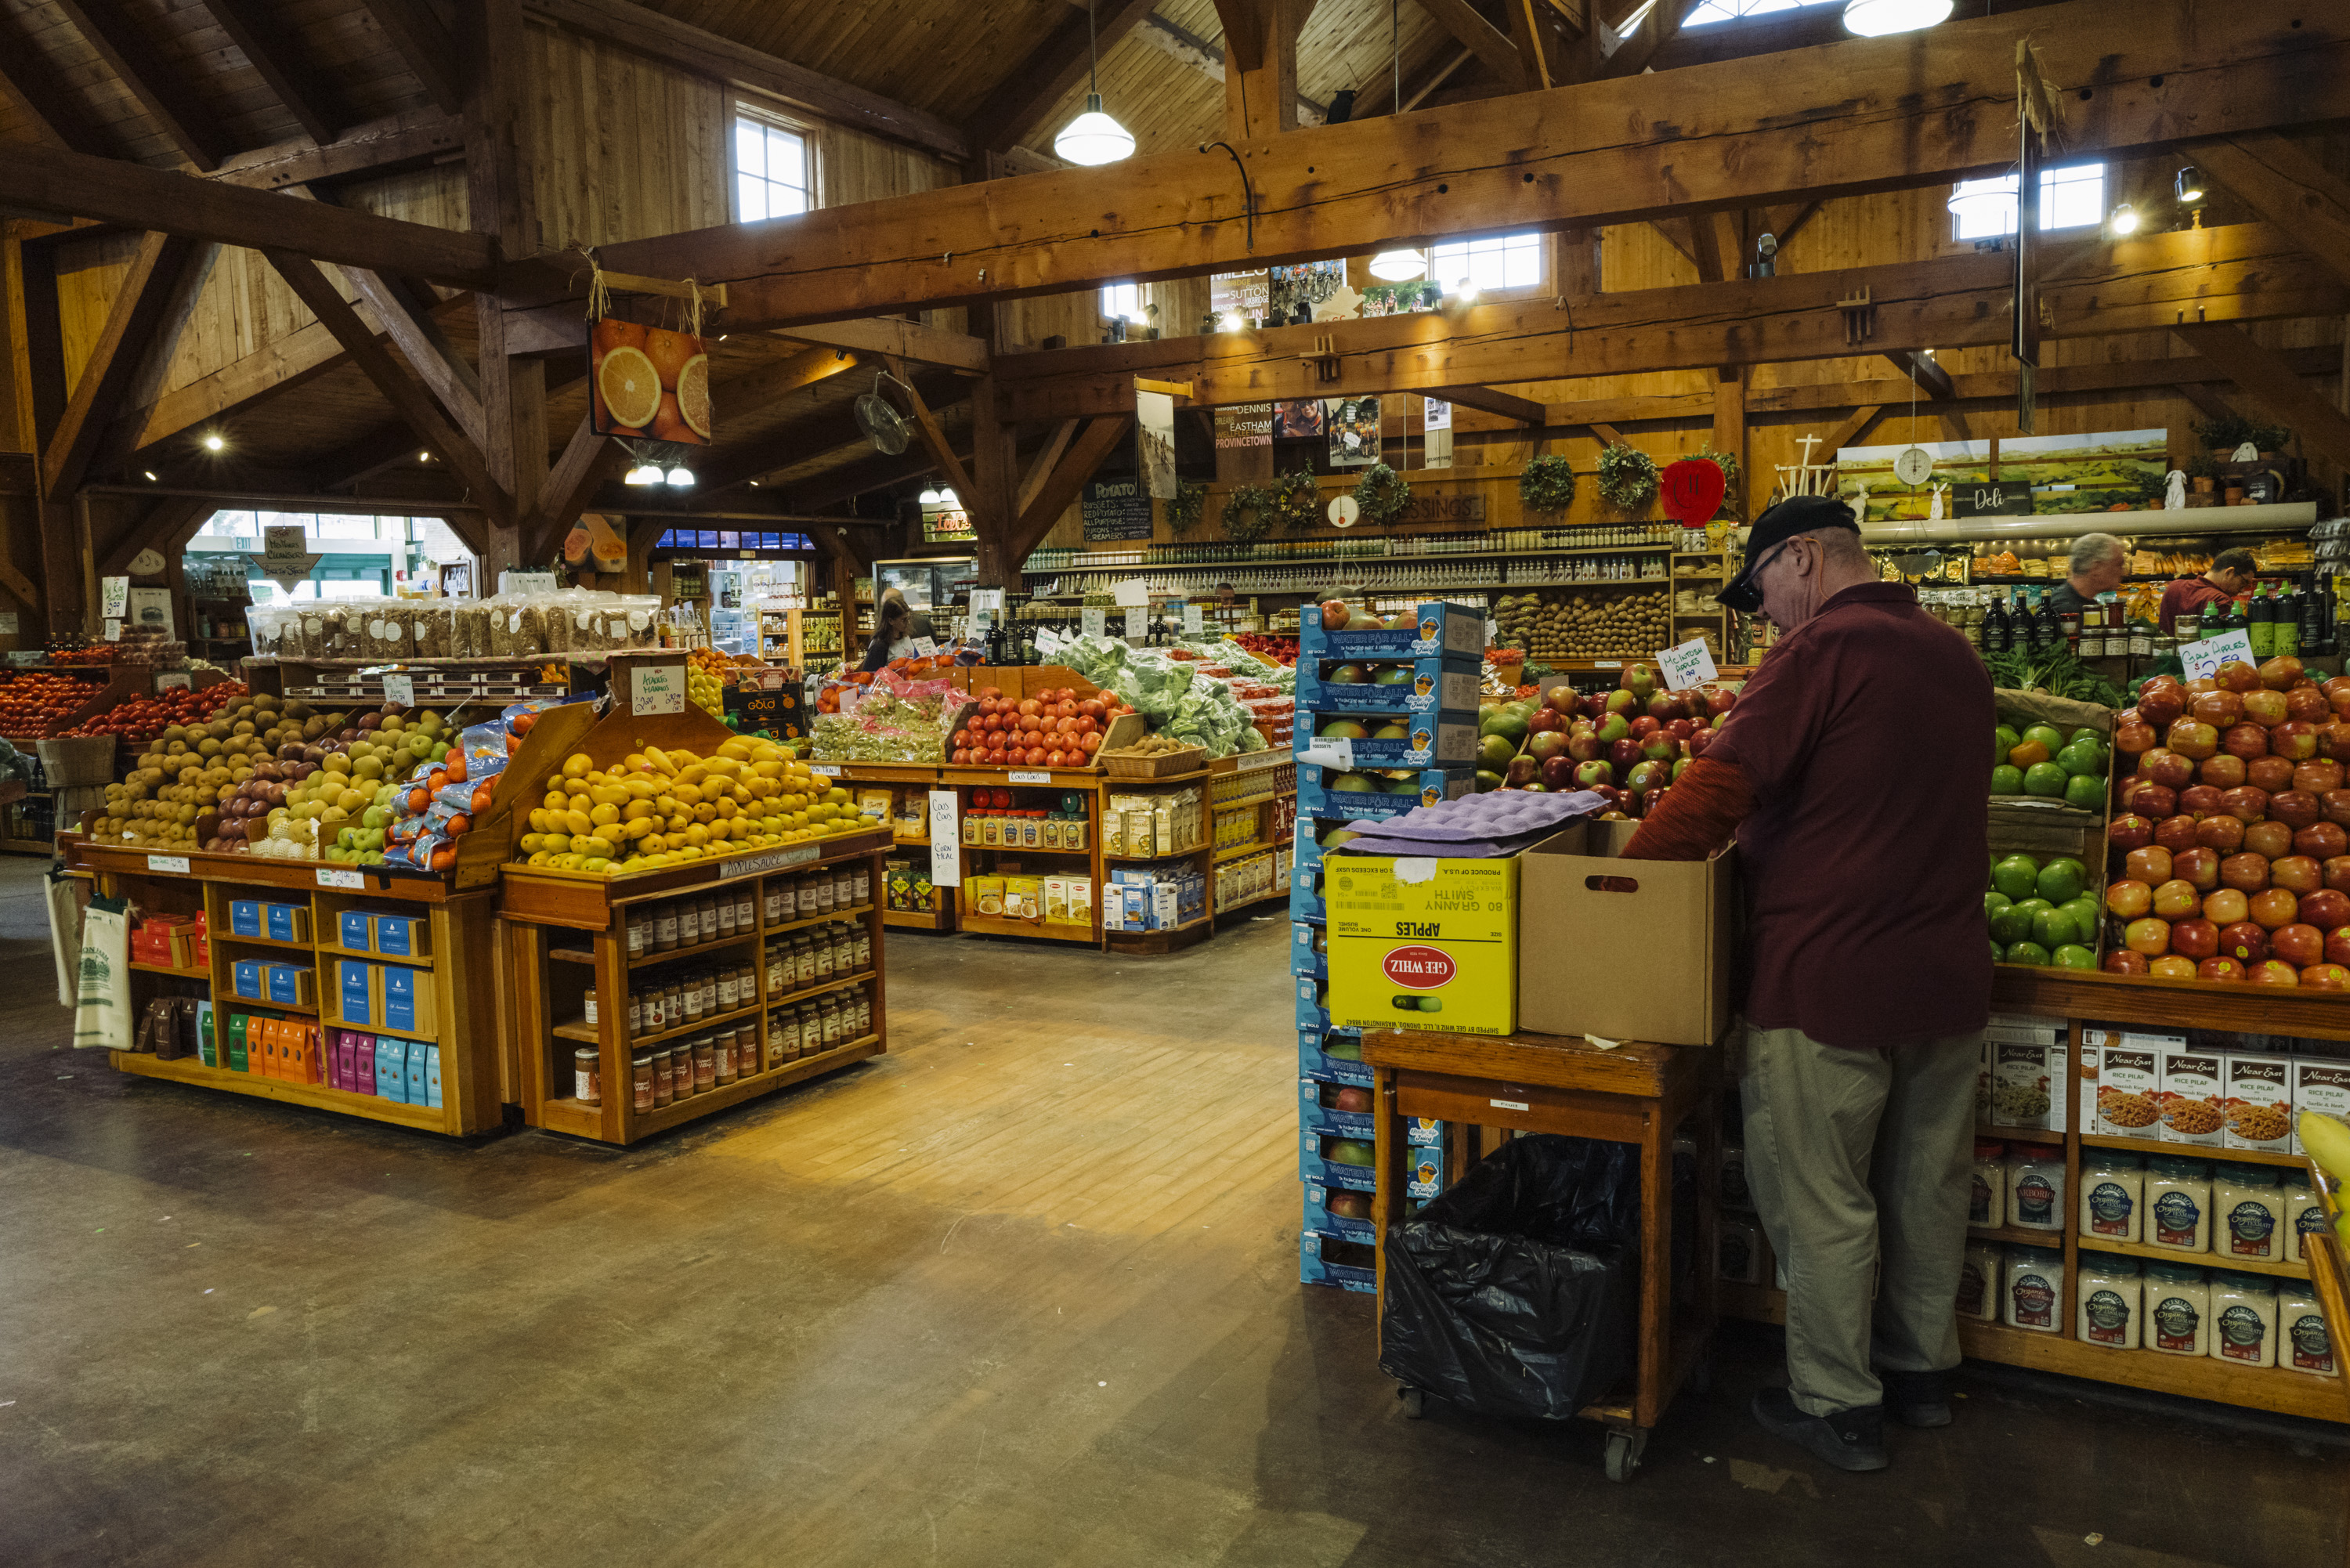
x=548, y=916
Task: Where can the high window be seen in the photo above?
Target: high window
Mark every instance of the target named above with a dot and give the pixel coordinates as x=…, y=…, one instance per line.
x=1712, y=11
x=1121, y=299
x=772, y=173
x=2070, y=198
x=1511, y=261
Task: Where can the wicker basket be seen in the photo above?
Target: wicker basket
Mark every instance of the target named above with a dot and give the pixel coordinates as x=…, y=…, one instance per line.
x=1158, y=765
x=77, y=760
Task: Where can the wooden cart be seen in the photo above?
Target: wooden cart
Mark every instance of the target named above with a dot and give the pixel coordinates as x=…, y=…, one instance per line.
x=1636, y=1094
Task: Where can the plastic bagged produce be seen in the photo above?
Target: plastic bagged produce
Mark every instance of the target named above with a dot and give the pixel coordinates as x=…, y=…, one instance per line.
x=1516, y=1291
x=894, y=718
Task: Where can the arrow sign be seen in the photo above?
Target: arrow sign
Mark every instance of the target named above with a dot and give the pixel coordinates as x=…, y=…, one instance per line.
x=286, y=558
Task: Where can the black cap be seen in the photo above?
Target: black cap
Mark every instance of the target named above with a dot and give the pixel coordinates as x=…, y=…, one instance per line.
x=1796, y=515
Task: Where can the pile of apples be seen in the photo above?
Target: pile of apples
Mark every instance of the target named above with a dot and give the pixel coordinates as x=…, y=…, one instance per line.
x=1051, y=730
x=1627, y=745
x=2233, y=848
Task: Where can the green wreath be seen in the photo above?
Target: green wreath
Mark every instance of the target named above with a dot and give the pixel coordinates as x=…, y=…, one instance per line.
x=1382, y=493
x=1188, y=504
x=1547, y=484
x=1253, y=502
x=1297, y=501
x=1627, y=478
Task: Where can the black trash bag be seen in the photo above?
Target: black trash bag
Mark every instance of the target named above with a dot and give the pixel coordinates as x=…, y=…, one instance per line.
x=1516, y=1291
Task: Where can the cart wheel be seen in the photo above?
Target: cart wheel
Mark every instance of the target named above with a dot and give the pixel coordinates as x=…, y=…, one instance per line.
x=1624, y=1450
x=1415, y=1403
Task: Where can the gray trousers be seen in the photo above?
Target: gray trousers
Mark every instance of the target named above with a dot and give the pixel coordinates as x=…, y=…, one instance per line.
x=1855, y=1157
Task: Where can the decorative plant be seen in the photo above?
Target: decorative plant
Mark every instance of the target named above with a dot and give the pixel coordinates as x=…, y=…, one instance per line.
x=1187, y=506
x=1248, y=514
x=1547, y=484
x=1382, y=493
x=2200, y=465
x=1627, y=478
x=1296, y=501
x=2269, y=438
x=2227, y=431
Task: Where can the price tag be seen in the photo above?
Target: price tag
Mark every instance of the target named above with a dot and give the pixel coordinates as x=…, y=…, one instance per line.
x=113, y=629
x=656, y=689
x=1606, y=664
x=946, y=841
x=924, y=647
x=115, y=598
x=2203, y=658
x=824, y=770
x=172, y=681
x=526, y=582
x=175, y=864
x=1193, y=620
x=1095, y=620
x=1492, y=634
x=400, y=689
x=1689, y=664
x=1133, y=591
x=987, y=600
x=1138, y=622
x=331, y=877
x=1029, y=777
x=1330, y=751
x=980, y=621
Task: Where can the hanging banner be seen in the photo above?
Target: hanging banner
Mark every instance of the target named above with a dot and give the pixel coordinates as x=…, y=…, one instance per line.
x=1300, y=418
x=1354, y=426
x=1244, y=424
x=650, y=382
x=1154, y=434
x=1436, y=433
x=1115, y=509
x=597, y=541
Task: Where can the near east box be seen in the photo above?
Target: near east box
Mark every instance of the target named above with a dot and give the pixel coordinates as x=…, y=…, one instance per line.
x=1439, y=684
x=1345, y=741
x=1436, y=629
x=1663, y=926
x=1345, y=795
x=1420, y=943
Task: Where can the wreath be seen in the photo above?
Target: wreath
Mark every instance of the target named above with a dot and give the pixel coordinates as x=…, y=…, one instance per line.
x=1188, y=506
x=1296, y=501
x=1253, y=502
x=1547, y=484
x=1382, y=493
x=1627, y=478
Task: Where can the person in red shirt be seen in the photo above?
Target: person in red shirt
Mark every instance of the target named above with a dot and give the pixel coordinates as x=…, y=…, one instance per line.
x=2230, y=575
x=1850, y=772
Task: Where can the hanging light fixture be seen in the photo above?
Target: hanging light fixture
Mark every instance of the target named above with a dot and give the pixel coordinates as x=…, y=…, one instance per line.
x=950, y=500
x=1984, y=206
x=643, y=473
x=1876, y=18
x=2189, y=187
x=1398, y=265
x=680, y=477
x=1092, y=137
x=2123, y=220
x=930, y=495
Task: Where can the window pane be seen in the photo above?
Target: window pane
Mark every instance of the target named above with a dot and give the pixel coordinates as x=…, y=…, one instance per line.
x=786, y=201
x=749, y=148
x=2072, y=197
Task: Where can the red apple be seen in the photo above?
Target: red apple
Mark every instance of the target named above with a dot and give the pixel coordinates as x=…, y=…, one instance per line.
x=2295, y=739
x=2197, y=937
x=2148, y=935
x=1585, y=745
x=2269, y=838
x=2223, y=969
x=2176, y=833
x=2154, y=800
x=2337, y=872
x=2129, y=900
x=2218, y=709
x=2172, y=966
x=2337, y=945
x=2282, y=671
x=2297, y=874
x=2130, y=832
x=2271, y=971
x=2328, y=909
x=1522, y=770
x=2245, y=741
x=2333, y=739
x=2297, y=944
x=1644, y=726
x=1623, y=755
x=2224, y=833
x=2247, y=872
x=2244, y=941
x=2326, y=977
x=2132, y=733
x=2161, y=706
x=2296, y=808
x=1591, y=776
x=2121, y=961
x=1563, y=698
x=2199, y=801
x=2271, y=773
x=2246, y=803
x=2166, y=767
x=2175, y=900
x=2192, y=738
x=2308, y=704
x=2199, y=866
x=2334, y=805
x=2274, y=906
x=2237, y=676
x=2150, y=865
x=1679, y=728
x=2322, y=840
x=2266, y=708
x=2337, y=691
x=2317, y=776
x=2224, y=771
x=2226, y=906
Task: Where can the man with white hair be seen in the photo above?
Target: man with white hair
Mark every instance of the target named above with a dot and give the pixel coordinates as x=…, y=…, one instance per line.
x=2097, y=566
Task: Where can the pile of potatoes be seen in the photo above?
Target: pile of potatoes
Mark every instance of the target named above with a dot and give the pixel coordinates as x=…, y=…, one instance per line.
x=1598, y=622
x=172, y=792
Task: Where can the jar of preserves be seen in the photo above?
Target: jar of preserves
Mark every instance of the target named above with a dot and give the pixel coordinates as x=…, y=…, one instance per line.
x=804, y=960
x=691, y=989
x=821, y=946
x=664, y=1077
x=640, y=1080
x=2177, y=1310
x=864, y=1011
x=2178, y=1203
x=844, y=888
x=587, y=1077
x=2035, y=1187
x=1987, y=1198
x=746, y=913
x=725, y=911
x=861, y=884
x=708, y=905
x=2035, y=1293
x=822, y=893
x=655, y=1011
x=779, y=899
x=2107, y=1293
x=705, y=1066
x=783, y=1035
x=639, y=927
x=2248, y=1202
x=2244, y=1319
x=729, y=996
x=636, y=1014
x=588, y=1008
x=778, y=981
x=844, y=948
x=2113, y=1193
x=864, y=950
x=2305, y=1343
x=722, y=1055
x=1981, y=1269
x=689, y=923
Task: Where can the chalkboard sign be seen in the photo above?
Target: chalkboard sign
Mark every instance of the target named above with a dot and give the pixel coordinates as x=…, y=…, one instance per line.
x=1117, y=509
x=1979, y=498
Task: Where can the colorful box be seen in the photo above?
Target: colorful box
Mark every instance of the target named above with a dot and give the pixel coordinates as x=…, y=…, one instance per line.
x=1404, y=741
x=407, y=1000
x=1437, y=628
x=1435, y=947
x=246, y=980
x=357, y=992
x=1341, y=1110
x=191, y=946
x=362, y=1071
x=1315, y=1162
x=1353, y=1224
x=244, y=919
x=2257, y=1102
x=1318, y=1058
x=357, y=929
x=1318, y=795
x=2320, y=1084
x=2031, y=1085
x=419, y=1055
x=1444, y=683
x=400, y=936
x=1333, y=1261
x=207, y=1044
x=2129, y=1085
x=2192, y=1081
x=432, y=1076
x=287, y=922
x=239, y=1033
x=391, y=1068
x=291, y=984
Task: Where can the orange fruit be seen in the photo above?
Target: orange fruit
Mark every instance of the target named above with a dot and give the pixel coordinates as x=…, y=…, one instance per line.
x=614, y=333
x=630, y=388
x=668, y=424
x=669, y=351
x=693, y=394
x=2031, y=753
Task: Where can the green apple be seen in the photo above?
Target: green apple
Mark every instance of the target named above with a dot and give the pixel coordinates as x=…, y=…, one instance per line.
x=1994, y=901
x=2028, y=952
x=2006, y=780
x=2072, y=955
x=2003, y=740
x=2018, y=877
x=1342, y=730
x=2045, y=779
x=2084, y=756
x=2054, y=928
x=2048, y=735
x=2010, y=924
x=2085, y=792
x=2061, y=880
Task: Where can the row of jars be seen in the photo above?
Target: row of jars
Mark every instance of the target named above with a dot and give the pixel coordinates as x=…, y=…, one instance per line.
x=2262, y=1212
x=831, y=952
x=724, y=913
x=659, y=1004
x=663, y=1075
x=2172, y=1309
x=1024, y=829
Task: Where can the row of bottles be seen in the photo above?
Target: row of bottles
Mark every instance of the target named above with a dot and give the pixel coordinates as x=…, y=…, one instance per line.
x=2280, y=619
x=1283, y=552
x=2288, y=618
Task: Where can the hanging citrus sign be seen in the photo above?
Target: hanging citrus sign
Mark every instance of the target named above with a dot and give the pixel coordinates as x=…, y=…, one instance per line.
x=650, y=381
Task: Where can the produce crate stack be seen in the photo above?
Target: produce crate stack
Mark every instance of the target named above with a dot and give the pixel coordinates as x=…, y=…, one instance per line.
x=1386, y=721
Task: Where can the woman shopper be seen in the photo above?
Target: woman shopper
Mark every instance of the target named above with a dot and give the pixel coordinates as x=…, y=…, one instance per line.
x=895, y=628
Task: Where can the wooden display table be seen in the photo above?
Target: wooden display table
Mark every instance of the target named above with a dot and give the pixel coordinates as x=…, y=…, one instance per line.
x=1636, y=1094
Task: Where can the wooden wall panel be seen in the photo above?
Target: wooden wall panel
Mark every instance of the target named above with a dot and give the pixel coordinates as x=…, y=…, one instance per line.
x=623, y=148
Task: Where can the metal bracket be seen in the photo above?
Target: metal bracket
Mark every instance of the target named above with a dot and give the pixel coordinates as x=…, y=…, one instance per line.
x=1324, y=357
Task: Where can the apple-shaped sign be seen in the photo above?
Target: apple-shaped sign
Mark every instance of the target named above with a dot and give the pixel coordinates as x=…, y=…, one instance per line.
x=1691, y=490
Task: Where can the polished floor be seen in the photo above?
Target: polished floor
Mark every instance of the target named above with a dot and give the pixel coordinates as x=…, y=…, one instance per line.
x=1023, y=1291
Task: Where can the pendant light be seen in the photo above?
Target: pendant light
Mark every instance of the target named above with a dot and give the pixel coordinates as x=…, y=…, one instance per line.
x=1876, y=18
x=1398, y=265
x=1092, y=137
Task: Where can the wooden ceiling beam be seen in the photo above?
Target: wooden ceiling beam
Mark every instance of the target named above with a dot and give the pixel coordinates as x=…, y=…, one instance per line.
x=900, y=339
x=149, y=292
x=408, y=320
x=1049, y=72
x=2289, y=188
x=1085, y=455
x=1508, y=405
x=1482, y=40
x=425, y=47
x=1728, y=136
x=2272, y=383
x=1634, y=52
x=273, y=50
x=803, y=440
x=934, y=440
x=1376, y=95
x=1928, y=376
x=161, y=89
x=851, y=480
x=34, y=87
x=417, y=136
x=588, y=461
x=766, y=385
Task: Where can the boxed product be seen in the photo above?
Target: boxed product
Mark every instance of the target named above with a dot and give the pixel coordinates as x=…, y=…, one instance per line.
x=1423, y=1173
x=236, y=1052
x=1306, y=954
x=432, y=1074
x=1664, y=926
x=1436, y=629
x=356, y=930
x=2320, y=1084
x=1329, y=1260
x=191, y=946
x=360, y=1074
x=1023, y=899
x=244, y=918
x=1338, y=794
x=291, y=984
x=2257, y=1102
x=246, y=980
x=2129, y=1084
x=400, y=936
x=1342, y=1110
x=1333, y=1162
x=1306, y=902
x=208, y=1050
x=390, y=1068
x=407, y=1000
x=1344, y=1214
x=2193, y=1078
x=1426, y=943
x=2031, y=1086
x=358, y=993
x=419, y=1054
x=1443, y=683
x=986, y=895
x=1312, y=1002
x=288, y=922
x=1342, y=742
x=2085, y=1074
x=1335, y=1056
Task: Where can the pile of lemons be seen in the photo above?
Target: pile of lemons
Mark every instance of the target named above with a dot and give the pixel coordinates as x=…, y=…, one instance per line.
x=662, y=808
x=707, y=691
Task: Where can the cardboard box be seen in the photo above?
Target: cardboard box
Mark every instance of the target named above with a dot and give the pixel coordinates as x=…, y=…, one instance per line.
x=432, y=1076
x=1318, y=798
x=1331, y=1261
x=391, y=1068
x=2192, y=1081
x=2129, y=1085
x=244, y=918
x=400, y=936
x=1313, y=1003
x=1320, y=1221
x=1314, y=1163
x=2320, y=1084
x=362, y=1062
x=421, y=1054
x=408, y=1000
x=1424, y=944
x=356, y=930
x=1305, y=954
x=235, y=1057
x=191, y=946
x=291, y=984
x=1438, y=628
x=2085, y=1077
x=357, y=992
x=1387, y=741
x=1440, y=683
x=1318, y=1110
x=1663, y=945
x=288, y=922
x=2032, y=1087
x=1317, y=1057
x=208, y=1050
x=2257, y=1101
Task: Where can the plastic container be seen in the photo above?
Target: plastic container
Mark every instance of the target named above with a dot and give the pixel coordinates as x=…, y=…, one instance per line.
x=1987, y=1199
x=2177, y=1310
x=2244, y=1319
x=2178, y=1203
x=2033, y=1296
x=2304, y=1340
x=2108, y=1295
x=2113, y=1195
x=2035, y=1187
x=2248, y=1202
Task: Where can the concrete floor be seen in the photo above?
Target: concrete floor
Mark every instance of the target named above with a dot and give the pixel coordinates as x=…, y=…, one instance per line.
x=1023, y=1291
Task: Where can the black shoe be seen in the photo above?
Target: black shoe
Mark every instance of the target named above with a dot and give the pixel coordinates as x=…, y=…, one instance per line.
x=1849, y=1439
x=1919, y=1398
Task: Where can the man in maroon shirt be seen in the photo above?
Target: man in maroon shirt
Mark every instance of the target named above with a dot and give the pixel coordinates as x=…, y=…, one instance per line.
x=2232, y=574
x=1851, y=771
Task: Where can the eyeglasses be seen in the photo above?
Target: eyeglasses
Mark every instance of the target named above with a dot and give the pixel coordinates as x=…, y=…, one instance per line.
x=1756, y=576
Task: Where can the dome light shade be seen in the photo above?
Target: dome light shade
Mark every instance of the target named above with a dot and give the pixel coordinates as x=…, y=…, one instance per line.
x=643, y=473
x=930, y=495
x=1984, y=206
x=2190, y=186
x=682, y=477
x=1094, y=137
x=1876, y=18
x=1398, y=267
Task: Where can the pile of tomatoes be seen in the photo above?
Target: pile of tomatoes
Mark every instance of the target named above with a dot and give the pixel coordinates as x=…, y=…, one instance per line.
x=142, y=719
x=1275, y=650
x=33, y=703
x=100, y=653
x=1051, y=730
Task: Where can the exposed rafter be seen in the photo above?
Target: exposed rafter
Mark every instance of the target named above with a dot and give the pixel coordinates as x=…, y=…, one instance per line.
x=162, y=89
x=149, y=291
x=424, y=47
x=32, y=85
x=2289, y=188
x=1482, y=40
x=1049, y=73
x=415, y=137
x=275, y=52
x=2270, y=378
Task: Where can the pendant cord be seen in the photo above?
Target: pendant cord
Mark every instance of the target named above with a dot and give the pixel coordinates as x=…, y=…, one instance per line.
x=1093, y=54
x=1395, y=39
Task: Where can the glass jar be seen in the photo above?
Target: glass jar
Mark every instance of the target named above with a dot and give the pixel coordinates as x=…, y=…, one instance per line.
x=864, y=950
x=2033, y=1297
x=656, y=1009
x=2244, y=1319
x=705, y=1066
x=2304, y=1215
x=1987, y=1199
x=691, y=989
x=779, y=900
x=2177, y=1310
x=664, y=928
x=639, y=929
x=746, y=913
x=2304, y=1342
x=864, y=1012
x=1980, y=1272
x=844, y=888
x=724, y=908
x=708, y=906
x=970, y=829
x=2035, y=1187
x=830, y=1015
x=783, y=1034
x=689, y=923
x=587, y=1077
x=823, y=946
x=636, y=1014
x=722, y=1058
x=2108, y=1293
x=664, y=1077
x=2248, y=1202
x=640, y=1080
x=804, y=960
x=1072, y=833
x=2113, y=1194
x=861, y=884
x=844, y=950
x=729, y=996
x=2178, y=1203
x=823, y=900
x=588, y=1008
